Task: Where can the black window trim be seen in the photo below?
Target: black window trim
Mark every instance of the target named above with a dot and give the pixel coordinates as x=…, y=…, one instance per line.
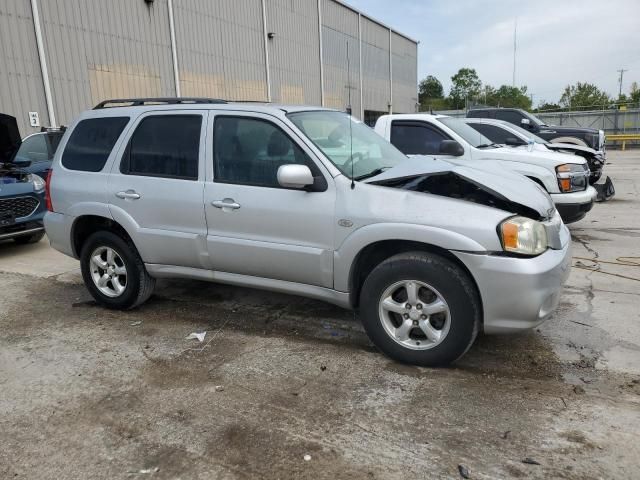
x=423, y=124
x=320, y=181
x=134, y=128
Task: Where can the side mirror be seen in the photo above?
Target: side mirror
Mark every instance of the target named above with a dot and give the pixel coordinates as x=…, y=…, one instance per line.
x=513, y=142
x=526, y=123
x=21, y=163
x=451, y=147
x=295, y=176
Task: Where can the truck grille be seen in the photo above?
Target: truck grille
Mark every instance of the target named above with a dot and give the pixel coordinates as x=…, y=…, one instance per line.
x=18, y=207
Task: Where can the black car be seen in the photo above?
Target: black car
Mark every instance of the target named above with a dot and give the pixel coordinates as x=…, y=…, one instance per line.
x=22, y=193
x=587, y=137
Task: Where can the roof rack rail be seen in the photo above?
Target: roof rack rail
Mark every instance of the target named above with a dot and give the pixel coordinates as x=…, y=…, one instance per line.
x=134, y=102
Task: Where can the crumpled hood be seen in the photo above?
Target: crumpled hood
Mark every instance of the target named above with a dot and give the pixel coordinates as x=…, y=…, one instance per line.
x=570, y=147
x=508, y=185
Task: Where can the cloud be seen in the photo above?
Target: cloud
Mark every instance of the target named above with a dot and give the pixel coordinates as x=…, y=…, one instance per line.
x=559, y=42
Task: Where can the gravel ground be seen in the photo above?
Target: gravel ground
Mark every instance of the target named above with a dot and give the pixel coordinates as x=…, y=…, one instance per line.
x=285, y=387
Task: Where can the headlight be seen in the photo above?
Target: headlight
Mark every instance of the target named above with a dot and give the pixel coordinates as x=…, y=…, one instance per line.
x=38, y=182
x=572, y=177
x=523, y=235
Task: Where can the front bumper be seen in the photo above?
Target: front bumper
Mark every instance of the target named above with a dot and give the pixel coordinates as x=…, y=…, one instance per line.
x=574, y=206
x=518, y=293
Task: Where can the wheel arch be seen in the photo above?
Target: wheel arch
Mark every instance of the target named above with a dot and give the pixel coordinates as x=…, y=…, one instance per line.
x=85, y=225
x=570, y=140
x=375, y=253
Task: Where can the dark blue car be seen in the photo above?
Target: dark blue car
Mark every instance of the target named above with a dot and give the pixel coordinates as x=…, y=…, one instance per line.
x=22, y=192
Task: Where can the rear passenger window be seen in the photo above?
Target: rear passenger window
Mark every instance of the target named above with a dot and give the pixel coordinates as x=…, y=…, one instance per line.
x=249, y=151
x=164, y=146
x=91, y=143
x=413, y=138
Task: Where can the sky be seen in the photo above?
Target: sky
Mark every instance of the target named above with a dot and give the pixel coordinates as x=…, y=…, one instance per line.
x=559, y=42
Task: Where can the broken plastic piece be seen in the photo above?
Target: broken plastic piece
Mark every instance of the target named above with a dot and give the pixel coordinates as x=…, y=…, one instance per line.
x=197, y=336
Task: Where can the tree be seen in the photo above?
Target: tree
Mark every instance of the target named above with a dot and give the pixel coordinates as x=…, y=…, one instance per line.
x=545, y=106
x=634, y=95
x=508, y=96
x=429, y=88
x=583, y=95
x=465, y=85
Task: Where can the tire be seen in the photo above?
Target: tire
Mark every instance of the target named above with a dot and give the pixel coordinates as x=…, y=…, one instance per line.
x=123, y=291
x=442, y=285
x=26, y=239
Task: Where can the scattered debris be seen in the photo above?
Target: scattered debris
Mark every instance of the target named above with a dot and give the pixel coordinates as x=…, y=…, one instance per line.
x=564, y=401
x=136, y=323
x=307, y=458
x=506, y=434
x=323, y=367
x=197, y=336
x=145, y=471
x=580, y=323
x=219, y=388
x=530, y=461
x=464, y=471
x=579, y=389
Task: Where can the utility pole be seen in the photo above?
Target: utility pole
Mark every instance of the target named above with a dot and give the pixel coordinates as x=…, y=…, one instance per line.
x=515, y=33
x=531, y=97
x=621, y=72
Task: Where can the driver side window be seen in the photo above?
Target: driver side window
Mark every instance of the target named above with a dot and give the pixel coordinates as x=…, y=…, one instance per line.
x=416, y=138
x=509, y=116
x=249, y=151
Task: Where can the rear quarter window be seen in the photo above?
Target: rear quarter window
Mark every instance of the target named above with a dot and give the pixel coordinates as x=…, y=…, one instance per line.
x=91, y=143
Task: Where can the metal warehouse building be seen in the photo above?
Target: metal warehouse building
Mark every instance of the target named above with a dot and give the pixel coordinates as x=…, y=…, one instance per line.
x=59, y=57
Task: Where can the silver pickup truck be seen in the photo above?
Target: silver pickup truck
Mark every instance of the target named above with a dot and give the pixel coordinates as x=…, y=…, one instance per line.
x=310, y=202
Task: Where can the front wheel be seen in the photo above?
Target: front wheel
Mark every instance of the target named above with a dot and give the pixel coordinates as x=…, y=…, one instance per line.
x=113, y=271
x=420, y=308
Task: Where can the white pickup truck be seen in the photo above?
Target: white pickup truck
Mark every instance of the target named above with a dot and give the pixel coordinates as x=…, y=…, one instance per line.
x=565, y=177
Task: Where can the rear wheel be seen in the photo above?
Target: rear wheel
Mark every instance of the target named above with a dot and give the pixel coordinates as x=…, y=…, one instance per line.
x=26, y=239
x=421, y=309
x=113, y=271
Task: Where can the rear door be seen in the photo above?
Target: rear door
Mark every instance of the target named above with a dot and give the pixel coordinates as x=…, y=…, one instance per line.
x=255, y=226
x=156, y=185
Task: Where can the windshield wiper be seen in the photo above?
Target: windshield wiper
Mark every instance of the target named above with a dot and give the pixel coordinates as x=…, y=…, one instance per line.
x=487, y=145
x=373, y=173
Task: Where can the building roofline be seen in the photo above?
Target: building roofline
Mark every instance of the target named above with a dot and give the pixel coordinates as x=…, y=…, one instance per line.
x=369, y=17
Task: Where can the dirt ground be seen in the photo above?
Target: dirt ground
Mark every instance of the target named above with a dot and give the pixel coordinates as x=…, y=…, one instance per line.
x=285, y=387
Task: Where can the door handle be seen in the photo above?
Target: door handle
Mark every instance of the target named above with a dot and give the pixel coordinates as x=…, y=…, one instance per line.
x=226, y=203
x=128, y=195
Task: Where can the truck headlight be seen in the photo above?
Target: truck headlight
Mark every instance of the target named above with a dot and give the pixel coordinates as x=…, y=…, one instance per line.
x=38, y=182
x=572, y=177
x=523, y=235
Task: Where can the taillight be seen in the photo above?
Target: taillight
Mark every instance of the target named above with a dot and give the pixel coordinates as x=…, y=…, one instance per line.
x=47, y=190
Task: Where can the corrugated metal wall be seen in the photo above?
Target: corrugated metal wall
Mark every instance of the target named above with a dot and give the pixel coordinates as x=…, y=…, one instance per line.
x=404, y=61
x=98, y=49
x=339, y=27
x=21, y=87
x=221, y=49
x=375, y=66
x=294, y=51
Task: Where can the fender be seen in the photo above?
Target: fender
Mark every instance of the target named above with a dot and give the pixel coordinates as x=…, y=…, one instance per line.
x=570, y=140
x=547, y=178
x=345, y=255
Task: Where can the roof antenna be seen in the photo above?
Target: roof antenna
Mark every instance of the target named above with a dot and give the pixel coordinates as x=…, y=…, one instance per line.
x=353, y=183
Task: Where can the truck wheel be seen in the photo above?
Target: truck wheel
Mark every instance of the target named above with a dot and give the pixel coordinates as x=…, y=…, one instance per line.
x=26, y=239
x=420, y=308
x=113, y=271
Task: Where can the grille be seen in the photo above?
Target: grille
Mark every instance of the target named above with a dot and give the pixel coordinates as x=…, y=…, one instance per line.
x=18, y=207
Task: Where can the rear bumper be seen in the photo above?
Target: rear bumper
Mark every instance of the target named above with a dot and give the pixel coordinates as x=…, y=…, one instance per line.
x=518, y=293
x=58, y=228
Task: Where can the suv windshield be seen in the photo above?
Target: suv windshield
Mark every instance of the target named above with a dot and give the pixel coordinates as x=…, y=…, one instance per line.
x=367, y=153
x=469, y=134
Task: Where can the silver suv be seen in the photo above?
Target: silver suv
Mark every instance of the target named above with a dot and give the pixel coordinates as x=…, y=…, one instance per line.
x=306, y=201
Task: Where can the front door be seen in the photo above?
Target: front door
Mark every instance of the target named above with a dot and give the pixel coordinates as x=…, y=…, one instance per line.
x=255, y=226
x=156, y=188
